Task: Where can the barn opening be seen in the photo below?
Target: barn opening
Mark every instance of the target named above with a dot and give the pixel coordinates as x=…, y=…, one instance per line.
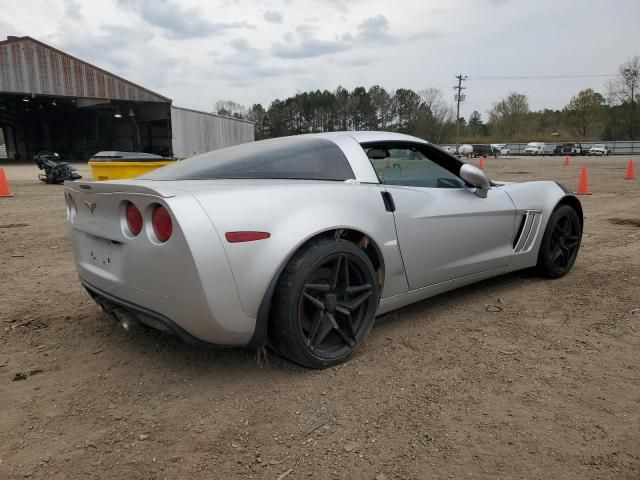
x=52, y=101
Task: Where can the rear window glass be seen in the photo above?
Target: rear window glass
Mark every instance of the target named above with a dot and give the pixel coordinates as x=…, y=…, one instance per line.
x=281, y=158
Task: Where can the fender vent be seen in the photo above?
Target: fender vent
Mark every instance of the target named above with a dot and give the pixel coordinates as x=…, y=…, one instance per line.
x=528, y=231
x=519, y=232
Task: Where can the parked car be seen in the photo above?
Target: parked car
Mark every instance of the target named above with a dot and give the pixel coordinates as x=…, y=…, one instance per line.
x=449, y=149
x=502, y=148
x=574, y=149
x=465, y=150
x=299, y=242
x=550, y=149
x=599, y=149
x=534, y=148
x=484, y=151
x=566, y=148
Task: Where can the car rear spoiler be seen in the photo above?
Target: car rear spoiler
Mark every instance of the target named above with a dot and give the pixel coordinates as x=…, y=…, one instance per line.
x=116, y=186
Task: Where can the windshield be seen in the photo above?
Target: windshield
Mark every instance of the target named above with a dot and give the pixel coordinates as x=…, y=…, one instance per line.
x=305, y=158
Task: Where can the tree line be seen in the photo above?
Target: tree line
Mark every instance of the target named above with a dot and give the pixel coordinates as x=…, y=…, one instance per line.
x=589, y=115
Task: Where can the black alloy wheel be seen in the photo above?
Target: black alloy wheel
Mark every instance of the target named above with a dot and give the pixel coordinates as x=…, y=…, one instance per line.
x=560, y=243
x=325, y=303
x=333, y=305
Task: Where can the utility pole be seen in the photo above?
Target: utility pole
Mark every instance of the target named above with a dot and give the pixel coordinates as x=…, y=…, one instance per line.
x=633, y=110
x=459, y=97
x=631, y=78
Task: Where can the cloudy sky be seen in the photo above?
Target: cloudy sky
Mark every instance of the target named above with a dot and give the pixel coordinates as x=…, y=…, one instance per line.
x=249, y=51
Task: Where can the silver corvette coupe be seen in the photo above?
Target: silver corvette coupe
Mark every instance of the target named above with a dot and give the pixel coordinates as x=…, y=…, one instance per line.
x=299, y=242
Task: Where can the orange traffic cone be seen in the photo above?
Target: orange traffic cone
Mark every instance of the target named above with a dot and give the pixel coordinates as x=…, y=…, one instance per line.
x=631, y=171
x=583, y=185
x=5, y=191
x=566, y=161
x=481, y=163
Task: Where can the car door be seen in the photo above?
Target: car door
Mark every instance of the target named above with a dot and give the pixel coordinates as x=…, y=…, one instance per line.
x=445, y=231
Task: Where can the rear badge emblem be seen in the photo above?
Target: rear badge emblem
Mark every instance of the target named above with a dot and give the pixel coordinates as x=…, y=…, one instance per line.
x=91, y=206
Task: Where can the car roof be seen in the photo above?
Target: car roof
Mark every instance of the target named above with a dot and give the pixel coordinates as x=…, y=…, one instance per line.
x=370, y=136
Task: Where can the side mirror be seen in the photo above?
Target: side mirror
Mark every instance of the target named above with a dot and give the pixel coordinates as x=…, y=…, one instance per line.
x=475, y=177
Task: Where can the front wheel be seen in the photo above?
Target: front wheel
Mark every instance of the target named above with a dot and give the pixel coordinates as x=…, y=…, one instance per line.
x=324, y=304
x=560, y=243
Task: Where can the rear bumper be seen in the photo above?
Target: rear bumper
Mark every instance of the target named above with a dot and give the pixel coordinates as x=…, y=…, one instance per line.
x=153, y=319
x=185, y=282
x=195, y=300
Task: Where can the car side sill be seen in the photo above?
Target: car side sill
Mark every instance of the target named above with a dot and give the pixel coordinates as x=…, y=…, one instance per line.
x=398, y=301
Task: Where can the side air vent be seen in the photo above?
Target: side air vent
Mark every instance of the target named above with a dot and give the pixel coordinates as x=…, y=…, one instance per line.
x=528, y=231
x=519, y=232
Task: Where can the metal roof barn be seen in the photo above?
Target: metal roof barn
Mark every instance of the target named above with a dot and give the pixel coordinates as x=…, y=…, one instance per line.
x=50, y=100
x=33, y=68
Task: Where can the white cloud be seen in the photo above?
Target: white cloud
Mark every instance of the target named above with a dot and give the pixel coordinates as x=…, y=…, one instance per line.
x=372, y=31
x=308, y=47
x=272, y=16
x=178, y=21
x=197, y=52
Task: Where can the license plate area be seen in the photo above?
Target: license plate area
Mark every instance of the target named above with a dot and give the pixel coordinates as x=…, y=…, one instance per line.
x=103, y=252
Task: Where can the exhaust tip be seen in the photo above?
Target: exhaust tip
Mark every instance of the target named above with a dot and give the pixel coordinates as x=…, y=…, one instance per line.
x=128, y=321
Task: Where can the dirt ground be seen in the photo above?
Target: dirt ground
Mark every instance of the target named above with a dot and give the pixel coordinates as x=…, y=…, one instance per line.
x=517, y=377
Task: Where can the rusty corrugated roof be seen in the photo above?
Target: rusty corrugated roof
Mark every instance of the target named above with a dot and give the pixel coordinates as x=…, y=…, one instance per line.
x=28, y=66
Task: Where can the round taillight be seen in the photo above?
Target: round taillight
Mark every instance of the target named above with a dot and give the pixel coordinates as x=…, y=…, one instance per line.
x=162, y=224
x=134, y=218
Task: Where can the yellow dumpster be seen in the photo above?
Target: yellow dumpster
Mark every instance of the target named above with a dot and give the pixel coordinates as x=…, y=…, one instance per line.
x=119, y=165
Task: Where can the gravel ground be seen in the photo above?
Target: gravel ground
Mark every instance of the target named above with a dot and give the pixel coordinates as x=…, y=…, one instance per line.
x=517, y=377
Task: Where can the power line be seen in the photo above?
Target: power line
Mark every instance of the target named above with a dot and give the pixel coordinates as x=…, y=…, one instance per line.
x=538, y=77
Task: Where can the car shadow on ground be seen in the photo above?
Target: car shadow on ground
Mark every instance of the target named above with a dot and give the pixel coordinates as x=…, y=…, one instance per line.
x=487, y=288
x=164, y=350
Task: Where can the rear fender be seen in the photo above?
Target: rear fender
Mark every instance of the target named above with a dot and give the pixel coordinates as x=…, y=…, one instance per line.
x=292, y=217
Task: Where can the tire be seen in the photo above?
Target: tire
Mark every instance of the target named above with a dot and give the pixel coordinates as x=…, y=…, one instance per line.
x=320, y=314
x=560, y=243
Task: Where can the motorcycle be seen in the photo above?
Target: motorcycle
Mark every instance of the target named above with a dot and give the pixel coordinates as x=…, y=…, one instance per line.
x=55, y=171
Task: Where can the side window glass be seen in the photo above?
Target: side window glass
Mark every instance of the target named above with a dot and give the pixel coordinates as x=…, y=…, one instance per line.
x=409, y=167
